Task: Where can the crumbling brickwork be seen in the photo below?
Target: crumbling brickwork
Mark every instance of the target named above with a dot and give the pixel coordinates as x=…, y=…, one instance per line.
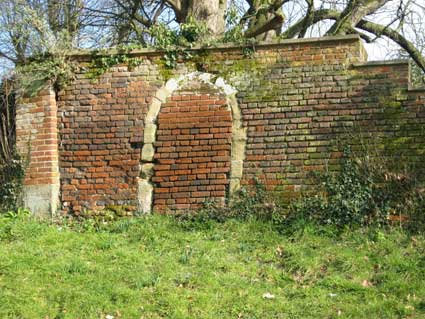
x=292, y=104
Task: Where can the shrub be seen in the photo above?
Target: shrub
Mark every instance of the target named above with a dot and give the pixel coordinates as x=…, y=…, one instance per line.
x=252, y=201
x=11, y=178
x=365, y=191
x=11, y=165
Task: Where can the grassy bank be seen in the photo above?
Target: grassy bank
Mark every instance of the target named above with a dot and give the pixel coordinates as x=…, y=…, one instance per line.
x=155, y=268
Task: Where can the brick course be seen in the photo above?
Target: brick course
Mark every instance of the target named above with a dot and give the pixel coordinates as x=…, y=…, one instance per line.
x=37, y=139
x=193, y=150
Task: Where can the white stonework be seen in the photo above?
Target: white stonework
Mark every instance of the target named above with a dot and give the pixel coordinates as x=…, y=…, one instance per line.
x=42, y=200
x=145, y=187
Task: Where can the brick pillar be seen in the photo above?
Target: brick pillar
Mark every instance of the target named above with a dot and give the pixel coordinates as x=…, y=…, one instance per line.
x=37, y=142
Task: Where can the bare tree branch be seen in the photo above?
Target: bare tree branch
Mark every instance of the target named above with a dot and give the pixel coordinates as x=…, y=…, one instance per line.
x=395, y=36
x=355, y=11
x=371, y=27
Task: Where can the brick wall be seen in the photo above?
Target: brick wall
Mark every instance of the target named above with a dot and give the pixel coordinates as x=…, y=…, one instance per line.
x=192, y=151
x=100, y=126
x=296, y=101
x=37, y=142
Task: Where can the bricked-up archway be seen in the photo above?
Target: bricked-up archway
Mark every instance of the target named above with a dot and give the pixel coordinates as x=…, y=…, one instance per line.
x=191, y=99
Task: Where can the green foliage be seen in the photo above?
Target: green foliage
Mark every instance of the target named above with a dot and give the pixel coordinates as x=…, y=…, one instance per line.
x=12, y=168
x=35, y=75
x=152, y=268
x=12, y=174
x=171, y=41
x=252, y=202
x=8, y=219
x=234, y=35
x=101, y=62
x=203, y=218
x=7, y=121
x=49, y=63
x=193, y=31
x=363, y=192
x=418, y=75
x=413, y=210
x=176, y=42
x=100, y=220
x=19, y=214
x=164, y=37
x=234, y=29
x=189, y=32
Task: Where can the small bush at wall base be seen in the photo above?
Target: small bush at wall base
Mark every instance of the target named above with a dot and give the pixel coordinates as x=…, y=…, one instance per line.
x=12, y=175
x=249, y=202
x=99, y=220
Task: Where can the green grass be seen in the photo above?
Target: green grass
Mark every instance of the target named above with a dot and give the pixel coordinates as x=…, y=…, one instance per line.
x=155, y=268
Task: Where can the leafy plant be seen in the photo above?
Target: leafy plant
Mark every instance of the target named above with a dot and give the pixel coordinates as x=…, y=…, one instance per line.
x=12, y=168
x=249, y=202
x=49, y=61
x=19, y=214
x=176, y=42
x=102, y=62
x=193, y=31
x=234, y=29
x=7, y=120
x=113, y=218
x=12, y=175
x=163, y=35
x=363, y=192
x=411, y=211
x=48, y=68
x=253, y=201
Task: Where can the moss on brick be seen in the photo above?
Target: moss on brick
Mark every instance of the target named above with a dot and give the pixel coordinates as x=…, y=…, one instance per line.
x=297, y=112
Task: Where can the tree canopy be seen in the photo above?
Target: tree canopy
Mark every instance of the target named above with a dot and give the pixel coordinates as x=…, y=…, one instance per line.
x=37, y=27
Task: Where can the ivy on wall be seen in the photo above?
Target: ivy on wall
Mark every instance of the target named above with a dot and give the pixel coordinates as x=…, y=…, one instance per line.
x=11, y=166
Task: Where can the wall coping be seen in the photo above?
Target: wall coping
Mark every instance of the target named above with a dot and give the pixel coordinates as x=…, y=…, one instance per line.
x=402, y=62
x=414, y=89
x=380, y=63
x=88, y=54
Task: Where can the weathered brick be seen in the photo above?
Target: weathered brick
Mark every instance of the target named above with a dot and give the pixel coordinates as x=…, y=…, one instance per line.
x=293, y=112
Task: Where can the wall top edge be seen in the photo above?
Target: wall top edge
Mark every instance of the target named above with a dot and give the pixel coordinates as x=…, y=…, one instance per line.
x=85, y=54
x=381, y=63
x=419, y=89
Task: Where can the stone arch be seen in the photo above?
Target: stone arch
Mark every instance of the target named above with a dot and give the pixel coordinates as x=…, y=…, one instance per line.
x=238, y=140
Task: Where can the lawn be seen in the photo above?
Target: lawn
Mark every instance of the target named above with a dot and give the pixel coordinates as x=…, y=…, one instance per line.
x=154, y=267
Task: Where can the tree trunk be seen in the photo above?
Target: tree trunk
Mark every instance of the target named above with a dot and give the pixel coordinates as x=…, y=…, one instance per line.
x=265, y=25
x=210, y=12
x=64, y=15
x=264, y=20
